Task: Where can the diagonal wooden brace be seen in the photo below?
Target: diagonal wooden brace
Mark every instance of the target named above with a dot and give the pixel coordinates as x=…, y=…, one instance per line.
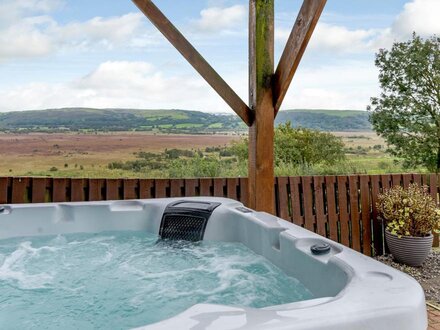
x=296, y=45
x=195, y=59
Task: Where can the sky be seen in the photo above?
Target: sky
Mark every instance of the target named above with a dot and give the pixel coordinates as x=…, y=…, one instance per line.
x=106, y=54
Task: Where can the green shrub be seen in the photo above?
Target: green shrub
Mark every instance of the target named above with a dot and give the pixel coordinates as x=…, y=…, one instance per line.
x=408, y=212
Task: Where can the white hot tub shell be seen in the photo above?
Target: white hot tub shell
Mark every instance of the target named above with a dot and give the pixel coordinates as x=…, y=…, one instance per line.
x=352, y=291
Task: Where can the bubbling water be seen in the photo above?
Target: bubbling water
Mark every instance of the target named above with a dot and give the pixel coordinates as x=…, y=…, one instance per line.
x=121, y=280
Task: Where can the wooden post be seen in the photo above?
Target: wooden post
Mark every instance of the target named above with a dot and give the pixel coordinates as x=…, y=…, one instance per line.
x=261, y=132
x=266, y=87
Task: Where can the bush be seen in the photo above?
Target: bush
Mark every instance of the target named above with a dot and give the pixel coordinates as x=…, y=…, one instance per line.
x=300, y=147
x=177, y=153
x=195, y=167
x=408, y=212
x=306, y=147
x=383, y=165
x=53, y=169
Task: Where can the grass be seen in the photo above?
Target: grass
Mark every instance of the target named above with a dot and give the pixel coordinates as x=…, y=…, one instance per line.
x=188, y=125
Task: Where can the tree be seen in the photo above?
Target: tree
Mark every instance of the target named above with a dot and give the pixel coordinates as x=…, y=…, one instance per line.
x=303, y=146
x=407, y=112
x=300, y=146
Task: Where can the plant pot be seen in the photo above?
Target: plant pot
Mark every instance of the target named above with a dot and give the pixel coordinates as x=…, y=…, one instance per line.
x=409, y=250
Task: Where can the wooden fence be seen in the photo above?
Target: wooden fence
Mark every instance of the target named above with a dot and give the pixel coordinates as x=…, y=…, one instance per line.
x=341, y=208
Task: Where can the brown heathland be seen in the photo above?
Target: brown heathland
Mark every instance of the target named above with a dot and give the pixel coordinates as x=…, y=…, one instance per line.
x=24, y=153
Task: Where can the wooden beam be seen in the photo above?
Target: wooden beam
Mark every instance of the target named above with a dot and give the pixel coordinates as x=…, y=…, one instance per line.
x=296, y=45
x=261, y=133
x=195, y=59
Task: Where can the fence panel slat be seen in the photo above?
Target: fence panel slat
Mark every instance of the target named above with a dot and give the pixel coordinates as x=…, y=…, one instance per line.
x=406, y=179
x=232, y=184
x=95, y=189
x=4, y=184
x=190, y=187
x=59, y=190
x=377, y=224
x=321, y=219
x=433, y=187
x=354, y=212
x=218, y=187
x=282, y=205
x=331, y=207
x=176, y=187
x=365, y=215
x=77, y=193
x=205, y=187
x=386, y=181
x=161, y=186
x=309, y=218
x=112, y=189
x=19, y=190
x=425, y=179
x=130, y=188
x=295, y=198
x=39, y=190
x=396, y=179
x=417, y=178
x=145, y=188
x=244, y=187
x=343, y=210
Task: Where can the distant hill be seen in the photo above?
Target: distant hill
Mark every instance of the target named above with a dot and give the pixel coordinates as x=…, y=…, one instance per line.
x=169, y=121
x=327, y=120
x=75, y=119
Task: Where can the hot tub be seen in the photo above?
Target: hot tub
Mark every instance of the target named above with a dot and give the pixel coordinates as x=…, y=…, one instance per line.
x=350, y=290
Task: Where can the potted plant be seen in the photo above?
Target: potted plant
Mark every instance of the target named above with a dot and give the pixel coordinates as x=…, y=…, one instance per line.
x=410, y=215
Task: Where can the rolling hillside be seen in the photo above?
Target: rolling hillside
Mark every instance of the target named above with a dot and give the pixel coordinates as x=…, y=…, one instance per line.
x=169, y=121
x=327, y=120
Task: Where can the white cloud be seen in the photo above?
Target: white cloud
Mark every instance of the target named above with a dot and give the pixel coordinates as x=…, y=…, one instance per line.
x=12, y=10
x=335, y=38
x=217, y=19
x=141, y=85
x=344, y=86
x=25, y=39
x=421, y=16
x=98, y=31
x=32, y=35
x=339, y=38
x=116, y=84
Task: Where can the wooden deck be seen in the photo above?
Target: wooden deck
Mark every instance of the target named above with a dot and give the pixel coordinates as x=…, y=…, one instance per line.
x=433, y=318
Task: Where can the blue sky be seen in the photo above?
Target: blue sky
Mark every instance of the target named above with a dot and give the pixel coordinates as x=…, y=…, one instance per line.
x=65, y=53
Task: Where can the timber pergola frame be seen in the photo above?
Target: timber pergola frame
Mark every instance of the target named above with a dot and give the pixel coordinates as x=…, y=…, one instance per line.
x=267, y=87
